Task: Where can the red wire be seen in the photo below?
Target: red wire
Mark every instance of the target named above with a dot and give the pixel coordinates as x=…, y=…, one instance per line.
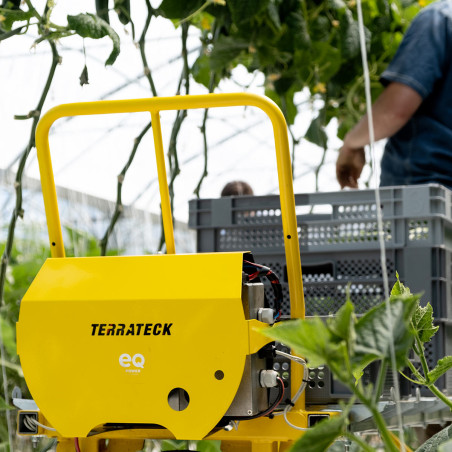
x=275, y=405
x=281, y=382
x=77, y=446
x=254, y=275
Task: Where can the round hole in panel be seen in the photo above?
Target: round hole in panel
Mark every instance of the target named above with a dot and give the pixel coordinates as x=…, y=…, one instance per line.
x=178, y=399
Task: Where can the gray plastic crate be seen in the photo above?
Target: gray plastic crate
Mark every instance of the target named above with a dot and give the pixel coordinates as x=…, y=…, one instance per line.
x=337, y=221
x=339, y=245
x=342, y=246
x=327, y=275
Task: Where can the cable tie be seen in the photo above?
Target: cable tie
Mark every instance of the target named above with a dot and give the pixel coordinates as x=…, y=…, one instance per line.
x=289, y=402
x=271, y=416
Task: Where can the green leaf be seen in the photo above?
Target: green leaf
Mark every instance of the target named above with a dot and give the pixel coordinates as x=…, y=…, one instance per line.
x=14, y=32
x=173, y=444
x=225, y=51
x=342, y=324
x=90, y=26
x=201, y=70
x=177, y=9
x=4, y=406
x=274, y=15
x=399, y=288
x=9, y=337
x=102, y=10
x=423, y=322
x=445, y=447
x=378, y=329
x=349, y=36
x=242, y=11
x=316, y=133
x=14, y=15
x=122, y=8
x=319, y=28
x=14, y=367
x=11, y=4
x=310, y=338
x=327, y=59
x=338, y=5
x=443, y=365
x=436, y=440
x=208, y=446
x=84, y=76
x=297, y=25
x=319, y=437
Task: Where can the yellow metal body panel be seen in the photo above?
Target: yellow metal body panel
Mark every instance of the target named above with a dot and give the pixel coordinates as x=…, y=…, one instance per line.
x=79, y=372
x=80, y=383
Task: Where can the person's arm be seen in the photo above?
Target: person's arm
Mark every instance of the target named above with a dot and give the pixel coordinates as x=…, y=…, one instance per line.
x=391, y=111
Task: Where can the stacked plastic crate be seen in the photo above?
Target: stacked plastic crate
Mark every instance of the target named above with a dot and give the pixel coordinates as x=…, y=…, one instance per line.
x=339, y=246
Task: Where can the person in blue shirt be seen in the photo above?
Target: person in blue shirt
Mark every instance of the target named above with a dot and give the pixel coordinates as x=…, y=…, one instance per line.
x=414, y=110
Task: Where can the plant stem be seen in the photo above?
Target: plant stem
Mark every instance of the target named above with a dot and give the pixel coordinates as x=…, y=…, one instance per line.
x=380, y=380
x=440, y=395
x=33, y=10
x=216, y=31
x=364, y=446
x=421, y=355
x=119, y=208
x=431, y=387
x=173, y=159
x=383, y=429
x=378, y=418
x=141, y=43
x=199, y=10
x=416, y=373
x=147, y=72
x=18, y=212
x=409, y=379
x=14, y=32
x=205, y=152
x=204, y=137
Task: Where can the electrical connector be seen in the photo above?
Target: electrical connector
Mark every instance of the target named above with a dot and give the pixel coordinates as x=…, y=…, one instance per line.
x=266, y=315
x=268, y=378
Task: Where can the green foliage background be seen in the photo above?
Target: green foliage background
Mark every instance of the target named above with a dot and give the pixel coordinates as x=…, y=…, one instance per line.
x=297, y=44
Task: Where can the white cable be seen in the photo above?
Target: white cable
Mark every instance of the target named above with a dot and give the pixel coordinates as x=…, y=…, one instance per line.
x=362, y=41
x=28, y=423
x=296, y=397
x=300, y=389
x=291, y=357
x=34, y=422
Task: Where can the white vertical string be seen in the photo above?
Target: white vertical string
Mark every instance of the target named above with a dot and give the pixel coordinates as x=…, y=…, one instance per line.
x=362, y=39
x=5, y=390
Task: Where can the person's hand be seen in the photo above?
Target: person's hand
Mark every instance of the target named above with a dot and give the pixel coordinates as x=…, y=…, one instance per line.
x=349, y=166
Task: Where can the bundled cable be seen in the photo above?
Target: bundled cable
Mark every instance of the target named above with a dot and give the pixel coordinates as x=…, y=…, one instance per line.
x=256, y=270
x=31, y=423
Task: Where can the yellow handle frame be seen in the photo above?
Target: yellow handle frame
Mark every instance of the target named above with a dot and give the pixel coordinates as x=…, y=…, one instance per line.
x=154, y=106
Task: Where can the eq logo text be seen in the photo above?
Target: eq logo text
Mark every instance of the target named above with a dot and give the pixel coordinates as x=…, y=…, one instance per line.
x=132, y=364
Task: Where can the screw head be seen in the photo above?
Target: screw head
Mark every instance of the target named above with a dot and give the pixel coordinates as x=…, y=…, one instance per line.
x=250, y=412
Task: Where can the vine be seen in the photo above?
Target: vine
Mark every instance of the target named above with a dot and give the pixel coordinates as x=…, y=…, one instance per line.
x=173, y=158
x=119, y=208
